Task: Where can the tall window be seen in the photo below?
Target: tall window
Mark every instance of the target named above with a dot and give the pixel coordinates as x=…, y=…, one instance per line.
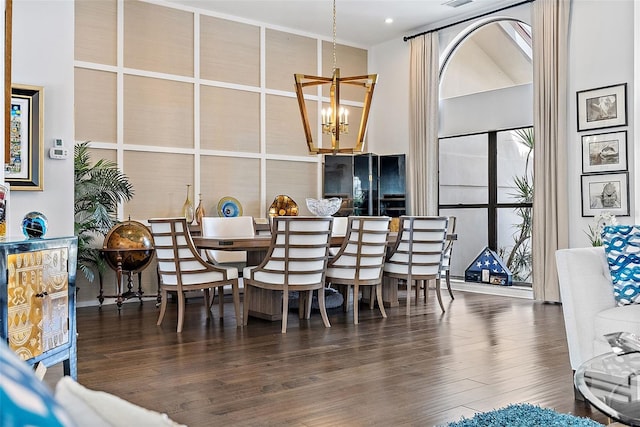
x=486, y=181
x=486, y=164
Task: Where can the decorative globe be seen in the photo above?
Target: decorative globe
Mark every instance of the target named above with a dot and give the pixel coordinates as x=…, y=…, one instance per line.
x=135, y=237
x=34, y=225
x=324, y=207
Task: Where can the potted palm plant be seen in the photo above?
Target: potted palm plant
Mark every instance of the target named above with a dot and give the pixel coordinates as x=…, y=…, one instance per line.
x=99, y=187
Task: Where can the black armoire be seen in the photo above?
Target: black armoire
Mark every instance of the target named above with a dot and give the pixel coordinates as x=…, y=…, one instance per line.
x=369, y=184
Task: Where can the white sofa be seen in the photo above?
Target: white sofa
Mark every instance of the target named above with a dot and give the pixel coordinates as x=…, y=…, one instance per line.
x=589, y=308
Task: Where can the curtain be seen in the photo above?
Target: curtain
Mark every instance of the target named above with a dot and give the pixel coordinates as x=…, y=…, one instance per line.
x=550, y=212
x=423, y=124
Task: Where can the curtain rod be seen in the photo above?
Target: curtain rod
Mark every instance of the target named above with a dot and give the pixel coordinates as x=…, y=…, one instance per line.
x=406, y=38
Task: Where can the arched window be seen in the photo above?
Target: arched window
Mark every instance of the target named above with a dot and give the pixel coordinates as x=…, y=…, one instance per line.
x=486, y=144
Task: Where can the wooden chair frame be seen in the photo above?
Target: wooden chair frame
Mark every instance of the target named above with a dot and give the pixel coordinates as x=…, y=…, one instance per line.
x=172, y=259
x=408, y=245
x=360, y=252
x=283, y=259
x=448, y=251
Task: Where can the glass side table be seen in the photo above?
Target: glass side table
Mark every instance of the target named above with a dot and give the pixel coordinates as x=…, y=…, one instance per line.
x=611, y=383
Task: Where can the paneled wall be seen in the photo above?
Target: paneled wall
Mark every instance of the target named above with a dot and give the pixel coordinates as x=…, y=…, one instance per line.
x=180, y=96
x=185, y=97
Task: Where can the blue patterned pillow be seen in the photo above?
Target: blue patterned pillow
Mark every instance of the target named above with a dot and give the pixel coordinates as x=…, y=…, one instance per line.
x=25, y=400
x=622, y=245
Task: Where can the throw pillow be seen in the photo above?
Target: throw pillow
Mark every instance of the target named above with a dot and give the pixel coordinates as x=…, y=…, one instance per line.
x=24, y=399
x=622, y=246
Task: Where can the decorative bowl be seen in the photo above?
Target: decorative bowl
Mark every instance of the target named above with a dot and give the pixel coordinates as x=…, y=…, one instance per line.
x=324, y=207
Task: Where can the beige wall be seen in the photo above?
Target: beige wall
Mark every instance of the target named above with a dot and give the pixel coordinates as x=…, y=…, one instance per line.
x=180, y=97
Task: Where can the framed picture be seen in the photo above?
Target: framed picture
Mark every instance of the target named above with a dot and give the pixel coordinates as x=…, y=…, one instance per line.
x=604, y=152
x=23, y=168
x=607, y=192
x=602, y=108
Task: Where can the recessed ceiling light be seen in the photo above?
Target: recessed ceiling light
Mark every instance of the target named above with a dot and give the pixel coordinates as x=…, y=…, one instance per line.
x=388, y=20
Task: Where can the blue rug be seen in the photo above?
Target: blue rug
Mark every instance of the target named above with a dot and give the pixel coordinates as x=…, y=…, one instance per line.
x=524, y=415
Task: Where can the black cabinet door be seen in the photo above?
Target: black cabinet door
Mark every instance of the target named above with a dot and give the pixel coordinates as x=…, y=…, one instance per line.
x=367, y=183
x=392, y=185
x=338, y=181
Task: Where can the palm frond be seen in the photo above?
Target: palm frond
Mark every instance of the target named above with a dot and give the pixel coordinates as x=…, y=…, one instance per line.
x=99, y=188
x=519, y=257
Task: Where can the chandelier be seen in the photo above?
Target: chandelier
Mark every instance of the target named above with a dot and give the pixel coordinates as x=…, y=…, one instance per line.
x=335, y=119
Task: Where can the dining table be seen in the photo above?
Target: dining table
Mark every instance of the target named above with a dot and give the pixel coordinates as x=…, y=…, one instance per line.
x=264, y=304
x=267, y=304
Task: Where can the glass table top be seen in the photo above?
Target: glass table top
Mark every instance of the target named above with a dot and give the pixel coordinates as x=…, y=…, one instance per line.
x=611, y=383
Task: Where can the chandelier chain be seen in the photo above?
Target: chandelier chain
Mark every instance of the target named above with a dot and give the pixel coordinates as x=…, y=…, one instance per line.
x=334, y=35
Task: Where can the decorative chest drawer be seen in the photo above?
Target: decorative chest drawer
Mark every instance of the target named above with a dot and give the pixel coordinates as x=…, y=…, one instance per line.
x=37, y=300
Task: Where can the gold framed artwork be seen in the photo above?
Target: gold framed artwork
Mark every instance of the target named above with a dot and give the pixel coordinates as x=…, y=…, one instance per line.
x=8, y=39
x=24, y=166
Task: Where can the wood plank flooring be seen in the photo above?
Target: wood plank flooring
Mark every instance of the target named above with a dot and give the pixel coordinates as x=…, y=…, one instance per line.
x=424, y=370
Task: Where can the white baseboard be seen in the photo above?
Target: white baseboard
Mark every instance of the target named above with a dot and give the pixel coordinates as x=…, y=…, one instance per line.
x=456, y=285
x=485, y=288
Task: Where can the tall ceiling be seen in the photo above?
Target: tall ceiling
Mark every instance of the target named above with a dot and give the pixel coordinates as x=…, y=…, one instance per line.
x=359, y=22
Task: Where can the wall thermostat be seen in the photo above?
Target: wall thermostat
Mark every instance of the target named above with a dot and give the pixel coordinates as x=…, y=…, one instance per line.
x=58, y=151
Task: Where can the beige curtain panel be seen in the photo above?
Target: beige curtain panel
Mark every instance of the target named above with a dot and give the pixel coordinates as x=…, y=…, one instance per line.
x=550, y=212
x=423, y=124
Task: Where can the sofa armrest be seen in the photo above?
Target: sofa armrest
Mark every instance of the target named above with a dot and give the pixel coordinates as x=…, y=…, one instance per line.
x=585, y=290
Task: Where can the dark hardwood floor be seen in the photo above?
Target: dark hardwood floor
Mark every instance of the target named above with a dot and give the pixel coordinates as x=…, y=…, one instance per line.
x=427, y=369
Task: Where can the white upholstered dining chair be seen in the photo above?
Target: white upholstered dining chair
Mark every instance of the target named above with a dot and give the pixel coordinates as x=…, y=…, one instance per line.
x=296, y=261
x=360, y=260
x=231, y=228
x=418, y=253
x=227, y=228
x=182, y=269
x=338, y=229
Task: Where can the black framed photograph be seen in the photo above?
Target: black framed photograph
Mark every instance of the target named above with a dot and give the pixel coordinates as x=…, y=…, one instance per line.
x=605, y=192
x=602, y=107
x=604, y=152
x=23, y=168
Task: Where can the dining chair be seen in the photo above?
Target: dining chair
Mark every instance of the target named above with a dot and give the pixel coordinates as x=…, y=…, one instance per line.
x=231, y=228
x=182, y=269
x=417, y=254
x=262, y=226
x=296, y=261
x=448, y=249
x=227, y=228
x=360, y=260
x=339, y=228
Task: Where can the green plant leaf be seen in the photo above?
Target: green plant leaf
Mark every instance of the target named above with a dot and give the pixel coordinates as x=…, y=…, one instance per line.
x=99, y=188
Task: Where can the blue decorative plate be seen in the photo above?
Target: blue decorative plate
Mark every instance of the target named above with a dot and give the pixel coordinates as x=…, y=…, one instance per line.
x=229, y=206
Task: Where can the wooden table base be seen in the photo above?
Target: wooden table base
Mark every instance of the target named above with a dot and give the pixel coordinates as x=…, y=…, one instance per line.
x=265, y=304
x=389, y=292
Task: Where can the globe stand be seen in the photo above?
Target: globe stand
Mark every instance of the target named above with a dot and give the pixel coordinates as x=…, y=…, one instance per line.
x=121, y=297
x=127, y=249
